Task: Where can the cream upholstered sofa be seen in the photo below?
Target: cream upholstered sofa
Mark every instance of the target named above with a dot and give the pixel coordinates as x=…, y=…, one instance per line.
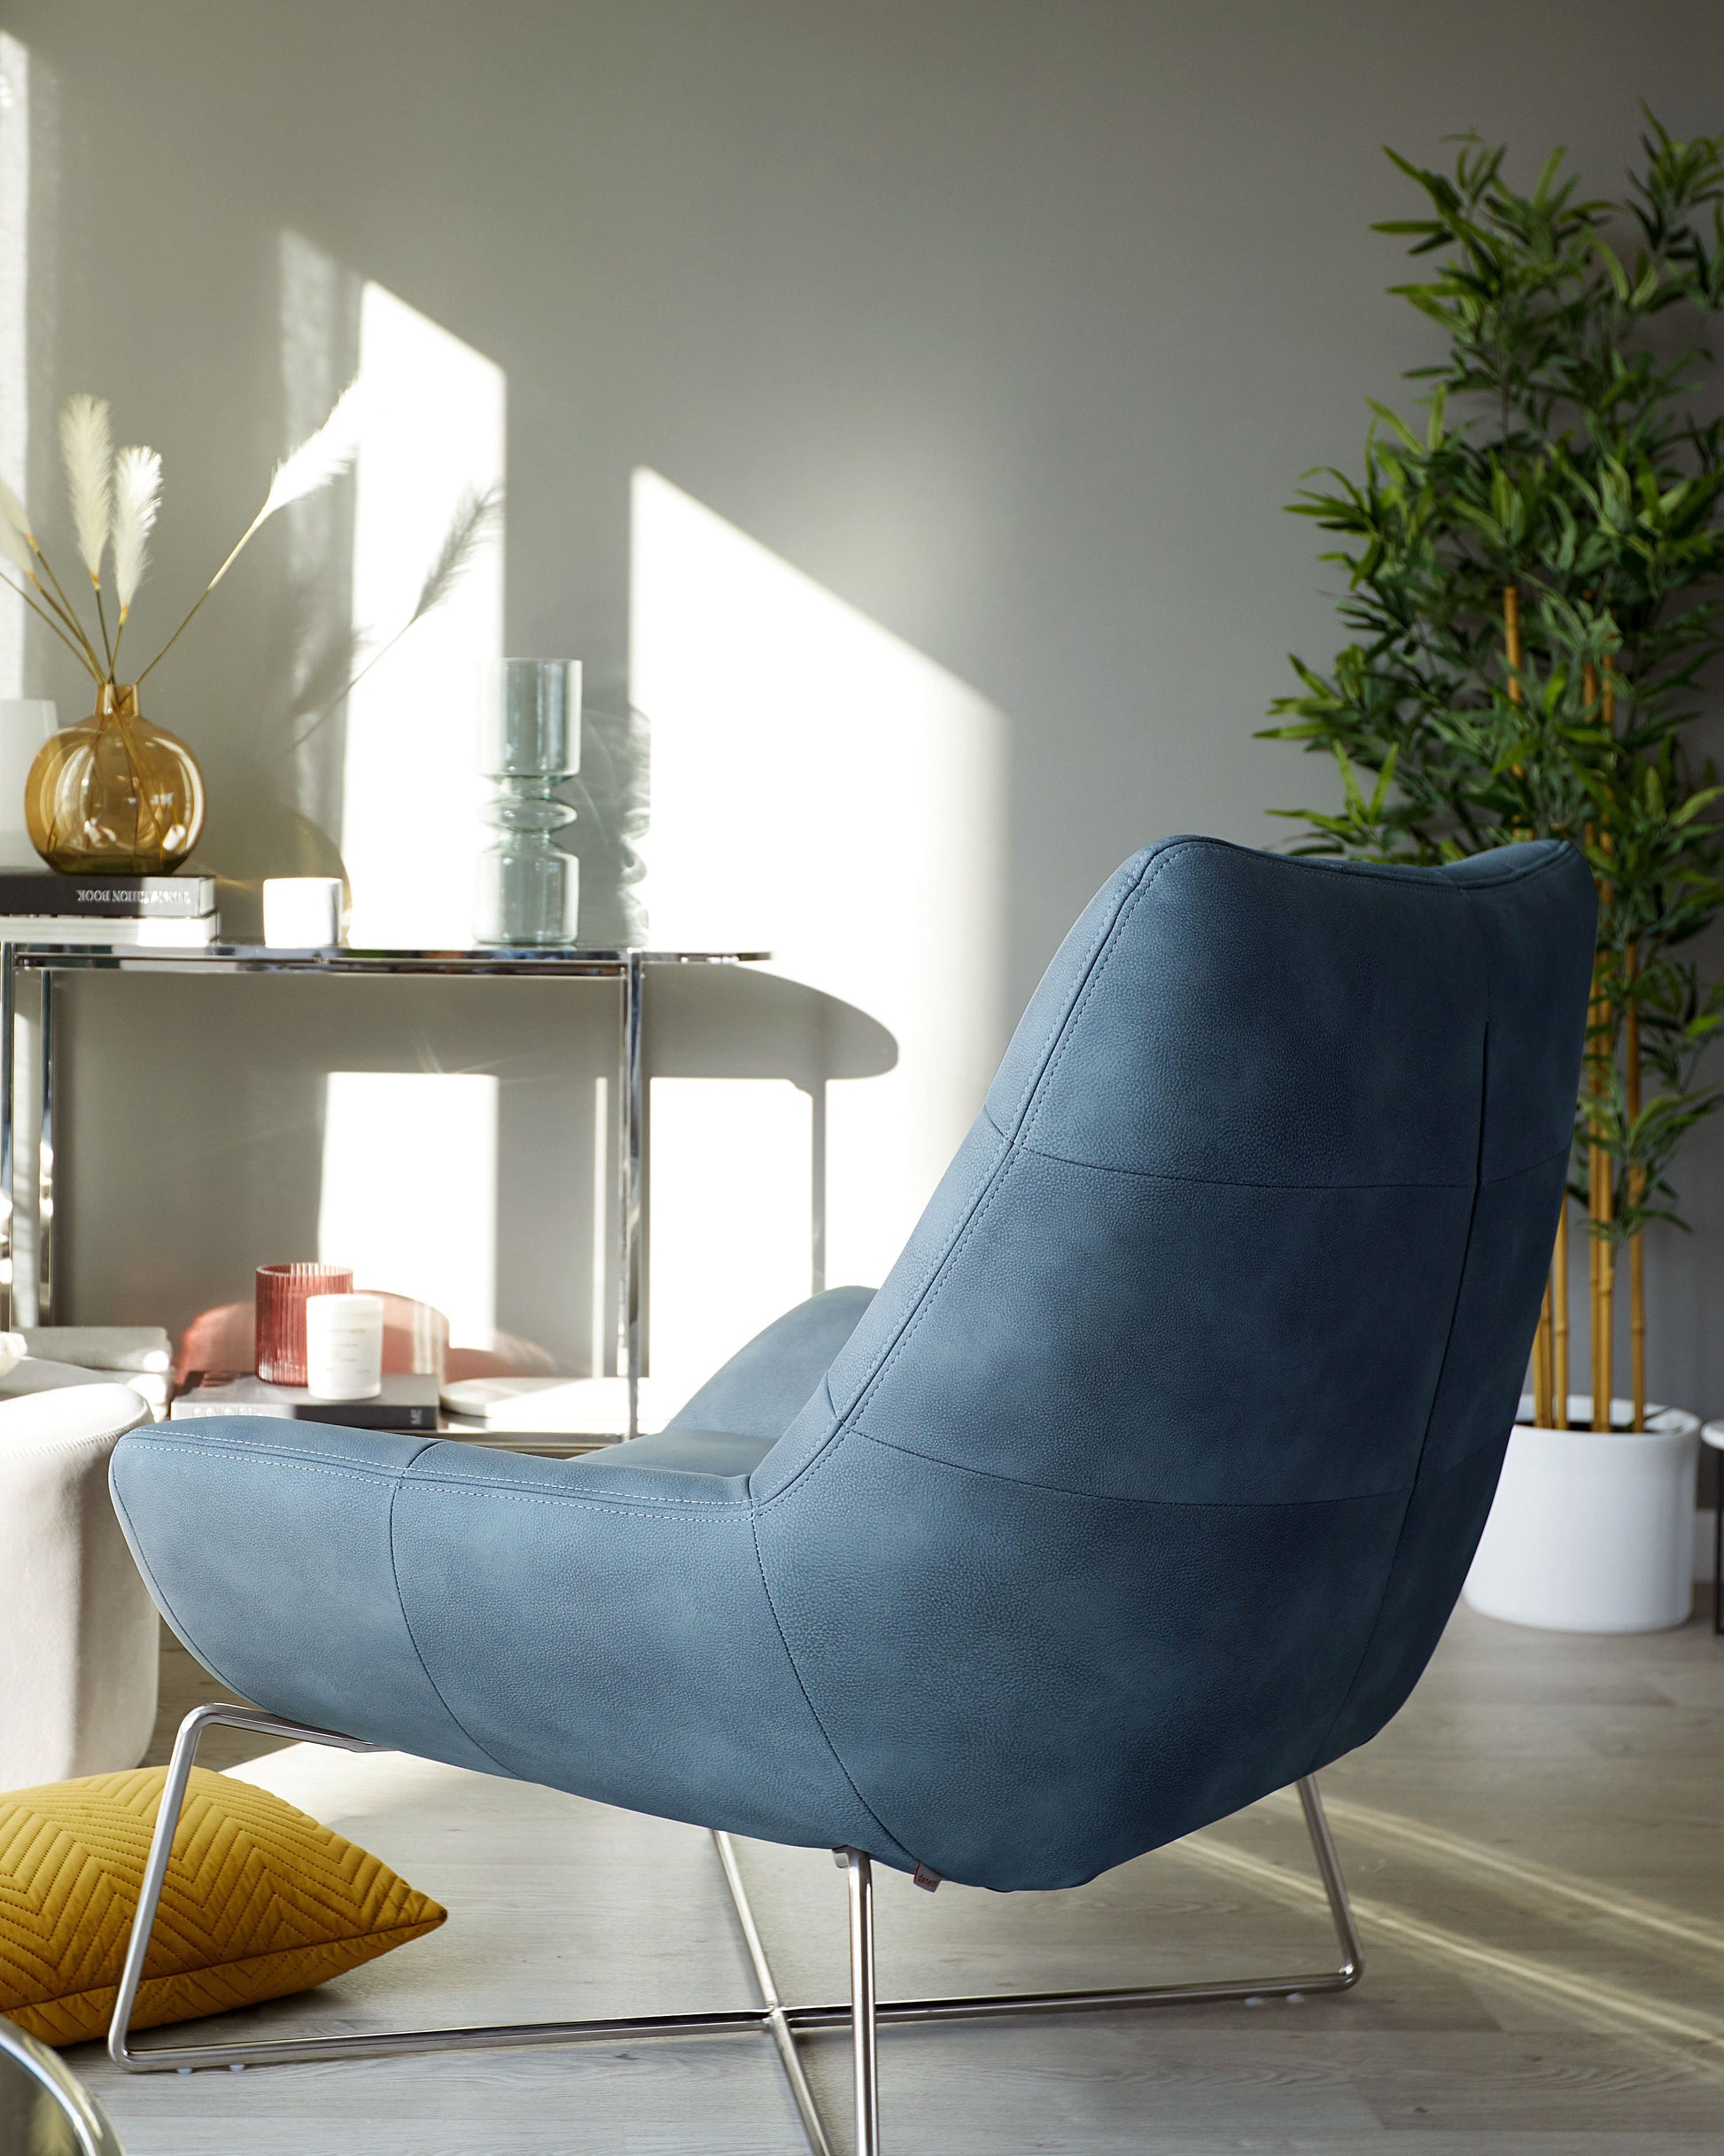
x=78, y=1676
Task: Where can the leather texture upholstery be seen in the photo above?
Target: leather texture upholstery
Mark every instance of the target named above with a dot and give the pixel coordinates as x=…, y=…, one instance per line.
x=1144, y=1485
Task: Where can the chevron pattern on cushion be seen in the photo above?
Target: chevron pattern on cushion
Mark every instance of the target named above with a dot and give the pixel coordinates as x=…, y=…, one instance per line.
x=261, y=1901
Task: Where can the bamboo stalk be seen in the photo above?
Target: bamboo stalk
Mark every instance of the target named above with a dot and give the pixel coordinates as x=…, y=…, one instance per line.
x=1544, y=1340
x=1601, y=1188
x=1544, y=1366
x=1559, y=1319
x=1606, y=1185
x=1600, y=1196
x=1637, y=1253
x=1511, y=639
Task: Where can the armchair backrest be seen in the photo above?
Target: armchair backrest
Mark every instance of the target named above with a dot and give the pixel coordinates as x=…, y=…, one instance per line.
x=1153, y=1473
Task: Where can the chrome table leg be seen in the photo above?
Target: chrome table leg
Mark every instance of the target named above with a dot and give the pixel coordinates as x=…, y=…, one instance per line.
x=47, y=1109
x=631, y=1141
x=8, y=1115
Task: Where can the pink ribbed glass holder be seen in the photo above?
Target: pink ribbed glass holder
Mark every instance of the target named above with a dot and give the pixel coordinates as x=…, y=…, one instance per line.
x=280, y=1316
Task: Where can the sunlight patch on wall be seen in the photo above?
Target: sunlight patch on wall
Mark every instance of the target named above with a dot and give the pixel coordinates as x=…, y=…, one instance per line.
x=14, y=322
x=731, y=1191
x=410, y=833
x=320, y=306
x=409, y=1197
x=822, y=789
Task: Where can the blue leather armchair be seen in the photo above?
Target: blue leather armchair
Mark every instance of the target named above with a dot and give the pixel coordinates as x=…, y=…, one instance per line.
x=1143, y=1487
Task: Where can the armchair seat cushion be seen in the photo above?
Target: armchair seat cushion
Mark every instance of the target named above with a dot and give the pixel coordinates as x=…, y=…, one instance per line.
x=765, y=1385
x=590, y=1624
x=685, y=1451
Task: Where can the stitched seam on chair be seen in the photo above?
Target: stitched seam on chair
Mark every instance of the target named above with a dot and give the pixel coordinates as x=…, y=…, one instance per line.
x=1107, y=1497
x=1225, y=1182
x=814, y=1712
x=932, y=1282
x=1098, y=943
x=1033, y=1107
x=259, y=1449
x=1560, y=859
x=483, y=1751
x=1443, y=1367
x=1030, y=1112
x=647, y=1508
x=335, y=1474
x=1221, y=1182
x=1428, y=879
x=644, y=1506
x=937, y=1284
x=926, y=1290
x=1465, y=1460
x=930, y=1299
x=930, y=1272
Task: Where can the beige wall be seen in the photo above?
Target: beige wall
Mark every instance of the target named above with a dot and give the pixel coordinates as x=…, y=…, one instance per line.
x=1007, y=326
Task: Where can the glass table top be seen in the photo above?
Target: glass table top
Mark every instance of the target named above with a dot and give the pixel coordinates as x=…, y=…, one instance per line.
x=42, y=953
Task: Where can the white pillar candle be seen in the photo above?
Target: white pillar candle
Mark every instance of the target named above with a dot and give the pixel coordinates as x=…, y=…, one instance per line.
x=344, y=1346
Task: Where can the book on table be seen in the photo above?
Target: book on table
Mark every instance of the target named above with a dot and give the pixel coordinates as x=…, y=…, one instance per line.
x=151, y=932
x=34, y=893
x=405, y=1403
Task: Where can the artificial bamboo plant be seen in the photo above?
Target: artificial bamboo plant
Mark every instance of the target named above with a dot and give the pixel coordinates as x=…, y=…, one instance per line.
x=1533, y=602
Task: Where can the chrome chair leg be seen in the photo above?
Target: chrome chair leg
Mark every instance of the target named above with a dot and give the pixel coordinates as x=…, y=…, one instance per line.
x=862, y=2014
x=167, y=2057
x=862, y=2020
x=777, y=2019
x=985, y=2005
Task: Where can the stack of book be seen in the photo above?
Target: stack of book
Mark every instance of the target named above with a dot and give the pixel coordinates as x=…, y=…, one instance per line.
x=405, y=1403
x=171, y=913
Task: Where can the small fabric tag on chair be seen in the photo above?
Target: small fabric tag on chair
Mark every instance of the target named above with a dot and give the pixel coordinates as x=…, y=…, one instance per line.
x=923, y=1877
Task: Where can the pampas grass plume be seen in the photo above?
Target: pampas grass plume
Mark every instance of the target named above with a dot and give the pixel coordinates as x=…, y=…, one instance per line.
x=14, y=513
x=15, y=532
x=137, y=497
x=86, y=445
x=320, y=458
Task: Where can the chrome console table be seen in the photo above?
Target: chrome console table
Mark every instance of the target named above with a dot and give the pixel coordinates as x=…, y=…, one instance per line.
x=47, y=961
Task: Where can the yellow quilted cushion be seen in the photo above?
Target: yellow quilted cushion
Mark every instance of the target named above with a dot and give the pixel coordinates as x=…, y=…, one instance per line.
x=259, y=1901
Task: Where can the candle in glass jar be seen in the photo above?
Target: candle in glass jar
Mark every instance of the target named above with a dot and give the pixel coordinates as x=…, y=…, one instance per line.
x=344, y=1346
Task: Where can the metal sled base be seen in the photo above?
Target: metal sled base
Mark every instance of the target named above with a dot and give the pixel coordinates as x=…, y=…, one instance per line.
x=771, y=2018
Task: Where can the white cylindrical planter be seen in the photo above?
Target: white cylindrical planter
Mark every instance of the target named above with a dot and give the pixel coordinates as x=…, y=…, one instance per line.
x=1592, y=1530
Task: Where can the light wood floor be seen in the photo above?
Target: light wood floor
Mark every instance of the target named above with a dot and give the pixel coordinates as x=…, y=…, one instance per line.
x=1533, y=1848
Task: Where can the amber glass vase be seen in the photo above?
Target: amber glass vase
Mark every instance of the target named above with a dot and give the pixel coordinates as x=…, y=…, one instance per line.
x=114, y=795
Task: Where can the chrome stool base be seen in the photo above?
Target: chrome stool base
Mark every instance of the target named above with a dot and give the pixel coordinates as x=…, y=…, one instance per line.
x=771, y=2018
